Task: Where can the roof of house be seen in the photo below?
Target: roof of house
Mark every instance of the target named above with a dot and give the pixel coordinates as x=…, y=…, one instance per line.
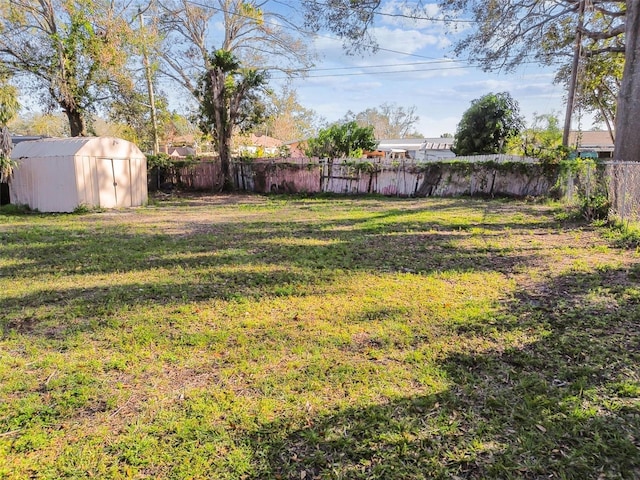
x=594, y=140
x=180, y=152
x=24, y=138
x=263, y=141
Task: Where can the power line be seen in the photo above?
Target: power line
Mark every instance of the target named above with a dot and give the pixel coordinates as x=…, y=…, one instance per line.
x=445, y=60
x=414, y=70
x=383, y=72
x=429, y=19
x=403, y=15
x=419, y=18
x=317, y=35
x=470, y=62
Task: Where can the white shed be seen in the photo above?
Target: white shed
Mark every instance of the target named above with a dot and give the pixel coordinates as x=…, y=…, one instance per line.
x=60, y=174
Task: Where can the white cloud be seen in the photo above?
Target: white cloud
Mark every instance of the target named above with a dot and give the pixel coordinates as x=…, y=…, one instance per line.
x=400, y=14
x=408, y=41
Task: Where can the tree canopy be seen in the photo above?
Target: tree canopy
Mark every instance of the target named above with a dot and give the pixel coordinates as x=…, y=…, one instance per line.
x=9, y=107
x=342, y=140
x=287, y=119
x=75, y=52
x=542, y=139
x=388, y=121
x=260, y=38
x=487, y=125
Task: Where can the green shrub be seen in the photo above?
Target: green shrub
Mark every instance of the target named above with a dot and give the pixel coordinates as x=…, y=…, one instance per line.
x=595, y=207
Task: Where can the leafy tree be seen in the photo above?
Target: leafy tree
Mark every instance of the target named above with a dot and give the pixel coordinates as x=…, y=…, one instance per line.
x=541, y=140
x=487, y=125
x=350, y=20
x=45, y=124
x=9, y=107
x=342, y=140
x=229, y=98
x=511, y=32
x=75, y=51
x=388, y=121
x=260, y=39
x=599, y=81
x=131, y=116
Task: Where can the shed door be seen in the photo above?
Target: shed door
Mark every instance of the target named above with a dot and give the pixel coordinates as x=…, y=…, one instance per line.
x=114, y=178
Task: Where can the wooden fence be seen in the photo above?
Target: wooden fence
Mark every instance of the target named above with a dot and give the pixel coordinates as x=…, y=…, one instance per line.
x=389, y=177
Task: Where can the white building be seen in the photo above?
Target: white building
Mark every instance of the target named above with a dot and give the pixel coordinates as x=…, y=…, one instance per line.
x=60, y=174
x=420, y=149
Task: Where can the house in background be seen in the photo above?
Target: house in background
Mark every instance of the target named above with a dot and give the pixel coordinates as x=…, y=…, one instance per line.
x=297, y=148
x=257, y=145
x=597, y=142
x=180, y=152
x=421, y=149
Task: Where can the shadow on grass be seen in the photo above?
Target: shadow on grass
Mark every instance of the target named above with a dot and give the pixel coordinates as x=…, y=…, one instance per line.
x=417, y=246
x=72, y=310
x=222, y=261
x=566, y=406
x=274, y=271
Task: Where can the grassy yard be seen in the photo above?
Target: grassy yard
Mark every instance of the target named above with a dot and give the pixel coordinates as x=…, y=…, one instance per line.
x=249, y=337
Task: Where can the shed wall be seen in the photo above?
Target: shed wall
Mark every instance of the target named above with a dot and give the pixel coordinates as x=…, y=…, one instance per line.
x=45, y=184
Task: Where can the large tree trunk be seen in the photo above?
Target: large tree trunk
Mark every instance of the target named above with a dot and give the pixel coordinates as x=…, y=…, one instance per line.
x=76, y=122
x=224, y=150
x=627, y=134
x=222, y=124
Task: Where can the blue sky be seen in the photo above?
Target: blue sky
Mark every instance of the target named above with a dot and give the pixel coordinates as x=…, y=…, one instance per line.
x=428, y=76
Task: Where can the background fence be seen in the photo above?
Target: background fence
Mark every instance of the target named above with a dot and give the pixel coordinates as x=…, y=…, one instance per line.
x=388, y=177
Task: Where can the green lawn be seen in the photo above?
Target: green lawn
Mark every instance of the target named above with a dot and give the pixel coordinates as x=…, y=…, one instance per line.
x=248, y=337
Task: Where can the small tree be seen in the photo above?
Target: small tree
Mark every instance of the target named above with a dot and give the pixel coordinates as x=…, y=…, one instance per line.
x=487, y=125
x=342, y=140
x=9, y=107
x=542, y=140
x=229, y=98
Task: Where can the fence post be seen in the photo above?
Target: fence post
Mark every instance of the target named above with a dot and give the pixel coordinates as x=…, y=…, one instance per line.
x=624, y=195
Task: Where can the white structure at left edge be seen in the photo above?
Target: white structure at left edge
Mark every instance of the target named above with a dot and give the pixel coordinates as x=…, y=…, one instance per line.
x=60, y=174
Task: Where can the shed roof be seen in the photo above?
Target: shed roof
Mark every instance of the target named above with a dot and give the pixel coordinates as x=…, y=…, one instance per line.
x=108, y=147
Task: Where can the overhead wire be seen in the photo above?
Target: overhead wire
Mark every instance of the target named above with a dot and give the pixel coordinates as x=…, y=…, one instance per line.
x=403, y=15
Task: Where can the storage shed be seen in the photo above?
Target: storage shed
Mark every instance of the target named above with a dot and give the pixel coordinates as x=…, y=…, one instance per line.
x=60, y=174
